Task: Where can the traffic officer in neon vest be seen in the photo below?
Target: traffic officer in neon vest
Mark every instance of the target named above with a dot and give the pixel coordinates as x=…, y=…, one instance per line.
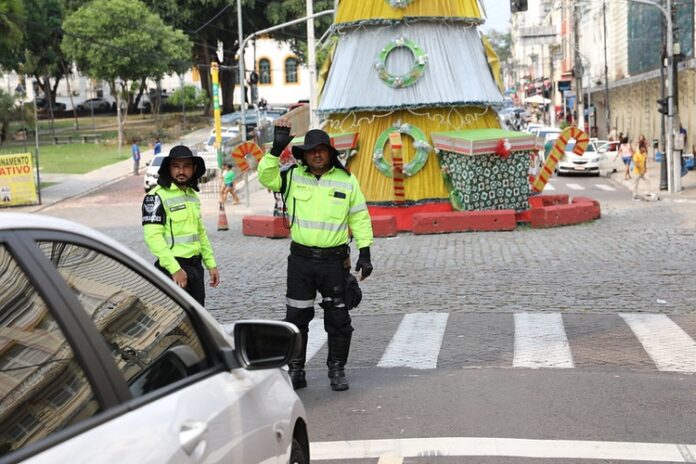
x=173, y=227
x=323, y=202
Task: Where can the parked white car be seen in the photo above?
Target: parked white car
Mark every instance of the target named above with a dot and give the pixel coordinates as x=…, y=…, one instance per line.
x=588, y=163
x=104, y=359
x=152, y=172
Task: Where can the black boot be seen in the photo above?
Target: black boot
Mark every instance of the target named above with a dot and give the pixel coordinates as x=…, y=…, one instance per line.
x=337, y=376
x=297, y=376
x=336, y=362
x=296, y=371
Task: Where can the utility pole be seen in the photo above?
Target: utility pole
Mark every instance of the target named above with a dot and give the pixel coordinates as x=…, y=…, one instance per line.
x=674, y=79
x=578, y=68
x=312, y=65
x=606, y=70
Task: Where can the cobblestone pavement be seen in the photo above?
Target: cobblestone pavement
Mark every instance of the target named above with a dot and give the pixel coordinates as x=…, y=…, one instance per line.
x=639, y=257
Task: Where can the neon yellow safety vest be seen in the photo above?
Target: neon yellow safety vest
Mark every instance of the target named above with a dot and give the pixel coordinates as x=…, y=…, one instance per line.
x=173, y=227
x=323, y=209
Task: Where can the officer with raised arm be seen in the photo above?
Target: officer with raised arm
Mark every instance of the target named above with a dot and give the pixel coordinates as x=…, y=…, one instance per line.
x=323, y=202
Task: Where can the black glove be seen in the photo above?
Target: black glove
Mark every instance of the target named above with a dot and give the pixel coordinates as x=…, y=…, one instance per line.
x=281, y=139
x=364, y=263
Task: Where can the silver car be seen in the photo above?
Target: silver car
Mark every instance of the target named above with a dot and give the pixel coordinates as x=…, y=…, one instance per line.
x=103, y=359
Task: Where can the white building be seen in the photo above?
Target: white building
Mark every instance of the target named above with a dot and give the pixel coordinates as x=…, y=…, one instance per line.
x=282, y=80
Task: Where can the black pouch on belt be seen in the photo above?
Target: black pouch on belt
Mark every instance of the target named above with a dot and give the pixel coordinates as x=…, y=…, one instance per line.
x=353, y=294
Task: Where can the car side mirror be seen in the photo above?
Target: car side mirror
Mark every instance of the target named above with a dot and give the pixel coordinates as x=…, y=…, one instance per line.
x=147, y=163
x=265, y=344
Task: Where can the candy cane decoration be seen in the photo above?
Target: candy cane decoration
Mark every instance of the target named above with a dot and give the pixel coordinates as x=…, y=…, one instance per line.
x=581, y=141
x=398, y=166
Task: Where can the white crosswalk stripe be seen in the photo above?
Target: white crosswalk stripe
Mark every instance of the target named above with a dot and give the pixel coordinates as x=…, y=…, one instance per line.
x=417, y=342
x=575, y=186
x=549, y=188
x=540, y=341
x=666, y=343
x=521, y=340
x=317, y=337
x=605, y=187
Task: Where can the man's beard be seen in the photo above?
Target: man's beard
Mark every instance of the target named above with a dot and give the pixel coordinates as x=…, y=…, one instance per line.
x=183, y=183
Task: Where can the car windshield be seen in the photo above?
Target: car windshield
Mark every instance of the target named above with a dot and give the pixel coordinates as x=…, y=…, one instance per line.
x=571, y=145
x=157, y=160
x=545, y=133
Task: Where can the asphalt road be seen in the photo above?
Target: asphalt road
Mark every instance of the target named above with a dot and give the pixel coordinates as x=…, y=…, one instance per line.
x=600, y=387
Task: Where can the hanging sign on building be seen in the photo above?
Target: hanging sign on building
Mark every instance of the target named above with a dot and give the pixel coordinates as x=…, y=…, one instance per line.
x=17, y=186
x=539, y=35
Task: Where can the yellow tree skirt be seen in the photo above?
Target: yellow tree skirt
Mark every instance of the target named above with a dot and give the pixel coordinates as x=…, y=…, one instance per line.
x=427, y=183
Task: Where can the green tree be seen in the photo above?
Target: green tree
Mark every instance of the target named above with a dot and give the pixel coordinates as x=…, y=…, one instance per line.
x=189, y=97
x=502, y=44
x=279, y=11
x=7, y=108
x=122, y=41
x=12, y=24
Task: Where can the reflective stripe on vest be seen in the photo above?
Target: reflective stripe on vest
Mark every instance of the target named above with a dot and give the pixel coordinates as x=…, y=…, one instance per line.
x=182, y=239
x=179, y=200
x=318, y=225
x=323, y=183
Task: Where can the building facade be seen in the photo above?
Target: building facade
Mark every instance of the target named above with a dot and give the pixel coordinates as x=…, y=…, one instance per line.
x=618, y=55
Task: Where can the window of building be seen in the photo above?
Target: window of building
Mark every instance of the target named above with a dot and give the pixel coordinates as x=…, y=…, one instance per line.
x=264, y=71
x=291, y=71
x=139, y=326
x=65, y=391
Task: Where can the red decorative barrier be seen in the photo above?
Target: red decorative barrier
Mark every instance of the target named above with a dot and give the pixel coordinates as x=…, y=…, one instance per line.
x=563, y=215
x=264, y=226
x=384, y=226
x=438, y=223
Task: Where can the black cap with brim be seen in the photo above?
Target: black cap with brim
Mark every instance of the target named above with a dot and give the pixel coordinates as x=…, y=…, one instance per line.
x=180, y=152
x=312, y=139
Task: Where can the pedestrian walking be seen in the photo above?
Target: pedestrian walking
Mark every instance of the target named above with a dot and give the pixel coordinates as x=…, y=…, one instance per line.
x=157, y=147
x=135, y=151
x=640, y=167
x=626, y=153
x=173, y=227
x=228, y=176
x=323, y=202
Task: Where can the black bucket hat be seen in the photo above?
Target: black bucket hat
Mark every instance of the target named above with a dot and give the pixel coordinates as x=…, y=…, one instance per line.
x=312, y=139
x=181, y=152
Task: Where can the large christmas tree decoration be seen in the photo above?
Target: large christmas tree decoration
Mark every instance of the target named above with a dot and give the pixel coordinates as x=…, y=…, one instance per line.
x=415, y=69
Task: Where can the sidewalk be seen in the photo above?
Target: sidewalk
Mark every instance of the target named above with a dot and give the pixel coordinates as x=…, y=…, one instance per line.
x=75, y=185
x=688, y=184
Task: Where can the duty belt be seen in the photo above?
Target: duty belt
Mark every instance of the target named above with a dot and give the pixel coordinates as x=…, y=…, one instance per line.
x=192, y=260
x=339, y=252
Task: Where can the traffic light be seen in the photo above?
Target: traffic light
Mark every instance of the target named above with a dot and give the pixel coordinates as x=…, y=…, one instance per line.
x=663, y=107
x=518, y=5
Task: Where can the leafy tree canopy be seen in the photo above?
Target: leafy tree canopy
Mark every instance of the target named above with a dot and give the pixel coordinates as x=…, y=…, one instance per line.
x=12, y=23
x=143, y=46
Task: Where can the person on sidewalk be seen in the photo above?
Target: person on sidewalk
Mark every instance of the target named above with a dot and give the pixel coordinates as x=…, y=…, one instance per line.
x=626, y=153
x=323, y=202
x=157, y=147
x=640, y=167
x=173, y=227
x=135, y=151
x=228, y=176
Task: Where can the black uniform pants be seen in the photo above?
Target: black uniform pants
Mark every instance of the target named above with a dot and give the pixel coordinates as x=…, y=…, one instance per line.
x=309, y=273
x=195, y=277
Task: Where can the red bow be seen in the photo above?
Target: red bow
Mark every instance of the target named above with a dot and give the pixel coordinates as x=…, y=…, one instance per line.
x=502, y=149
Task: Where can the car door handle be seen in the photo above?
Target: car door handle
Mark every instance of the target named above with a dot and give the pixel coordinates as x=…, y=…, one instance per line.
x=191, y=434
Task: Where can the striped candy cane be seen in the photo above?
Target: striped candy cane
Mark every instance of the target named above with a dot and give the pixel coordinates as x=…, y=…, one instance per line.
x=398, y=166
x=581, y=141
